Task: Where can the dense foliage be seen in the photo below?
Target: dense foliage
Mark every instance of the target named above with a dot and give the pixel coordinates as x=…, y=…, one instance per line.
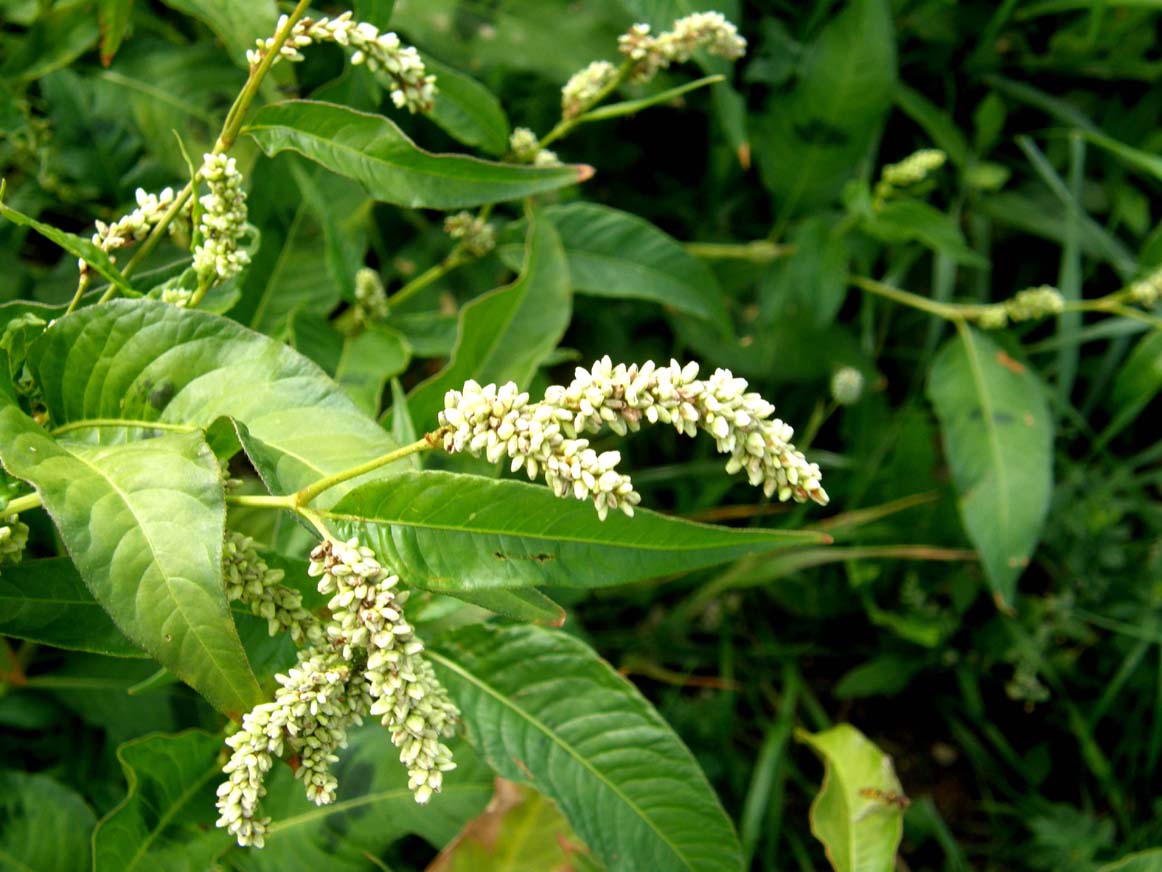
x=321, y=384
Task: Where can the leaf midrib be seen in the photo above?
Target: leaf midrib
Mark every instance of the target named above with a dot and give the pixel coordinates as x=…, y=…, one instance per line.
x=565, y=746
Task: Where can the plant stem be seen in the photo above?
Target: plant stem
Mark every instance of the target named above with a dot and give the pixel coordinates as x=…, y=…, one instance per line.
x=756, y=251
x=566, y=125
x=82, y=286
x=950, y=311
x=429, y=442
x=230, y=129
x=431, y=274
x=261, y=501
x=22, y=504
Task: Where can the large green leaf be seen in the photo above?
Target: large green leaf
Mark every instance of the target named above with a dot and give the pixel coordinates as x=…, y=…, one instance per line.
x=857, y=814
x=46, y=601
x=1142, y=861
x=238, y=23
x=143, y=523
x=467, y=110
x=505, y=334
x=544, y=709
x=615, y=254
x=809, y=139
x=165, y=821
x=998, y=438
x=1139, y=381
x=148, y=361
x=373, y=151
x=449, y=532
x=43, y=825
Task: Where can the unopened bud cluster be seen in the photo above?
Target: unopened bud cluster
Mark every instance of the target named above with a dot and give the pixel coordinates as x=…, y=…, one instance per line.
x=847, y=385
x=13, y=539
x=411, y=86
x=1147, y=291
x=133, y=227
x=702, y=30
x=543, y=437
x=585, y=86
x=318, y=701
x=222, y=223
x=367, y=621
x=475, y=236
x=251, y=581
x=1027, y=305
x=370, y=297
x=525, y=147
x=912, y=170
x=366, y=659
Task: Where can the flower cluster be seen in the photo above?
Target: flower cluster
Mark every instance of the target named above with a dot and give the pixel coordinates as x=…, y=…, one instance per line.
x=584, y=86
x=708, y=30
x=367, y=618
x=476, y=236
x=133, y=227
x=912, y=170
x=411, y=86
x=370, y=297
x=250, y=580
x=366, y=659
x=13, y=539
x=1027, y=305
x=543, y=437
x=525, y=147
x=1147, y=291
x=319, y=699
x=222, y=223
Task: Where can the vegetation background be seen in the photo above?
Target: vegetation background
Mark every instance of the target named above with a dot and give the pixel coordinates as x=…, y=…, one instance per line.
x=1020, y=698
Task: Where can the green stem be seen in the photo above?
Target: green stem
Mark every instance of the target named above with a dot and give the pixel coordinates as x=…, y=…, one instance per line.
x=566, y=125
x=427, y=277
x=230, y=130
x=22, y=504
x=121, y=422
x=82, y=286
x=757, y=251
x=950, y=311
x=429, y=442
x=261, y=501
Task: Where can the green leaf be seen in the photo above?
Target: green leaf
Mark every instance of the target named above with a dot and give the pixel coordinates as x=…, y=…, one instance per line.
x=505, y=334
x=373, y=151
x=377, y=12
x=545, y=710
x=809, y=140
x=165, y=821
x=525, y=604
x=113, y=21
x=1142, y=861
x=149, y=361
x=520, y=831
x=632, y=107
x=467, y=110
x=43, y=825
x=937, y=123
x=143, y=523
x=1138, y=382
x=238, y=23
x=46, y=601
x=74, y=245
x=615, y=254
x=860, y=833
x=55, y=40
x=451, y=532
x=998, y=439
x=912, y=220
x=367, y=361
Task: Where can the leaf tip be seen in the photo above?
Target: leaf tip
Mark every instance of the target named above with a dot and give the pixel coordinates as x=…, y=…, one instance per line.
x=584, y=172
x=744, y=155
x=1003, y=605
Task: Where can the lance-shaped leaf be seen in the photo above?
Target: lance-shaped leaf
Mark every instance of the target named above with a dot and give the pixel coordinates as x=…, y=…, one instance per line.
x=46, y=601
x=147, y=361
x=373, y=151
x=998, y=438
x=857, y=814
x=544, y=709
x=505, y=334
x=615, y=254
x=451, y=532
x=467, y=110
x=143, y=523
x=165, y=821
